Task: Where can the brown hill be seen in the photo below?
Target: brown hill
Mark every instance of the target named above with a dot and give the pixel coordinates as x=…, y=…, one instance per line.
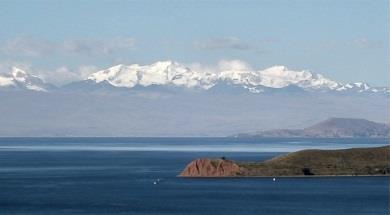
x=331, y=128
x=357, y=161
x=348, y=127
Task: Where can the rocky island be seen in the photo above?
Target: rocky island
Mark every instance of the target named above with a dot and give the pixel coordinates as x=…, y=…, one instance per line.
x=344, y=162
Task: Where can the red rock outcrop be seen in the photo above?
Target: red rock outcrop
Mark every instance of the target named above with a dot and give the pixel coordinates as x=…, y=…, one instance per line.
x=211, y=168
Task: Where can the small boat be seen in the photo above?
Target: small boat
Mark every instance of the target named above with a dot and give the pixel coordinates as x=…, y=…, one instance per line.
x=156, y=182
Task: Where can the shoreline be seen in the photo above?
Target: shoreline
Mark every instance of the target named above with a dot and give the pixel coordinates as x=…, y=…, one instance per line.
x=351, y=162
x=293, y=176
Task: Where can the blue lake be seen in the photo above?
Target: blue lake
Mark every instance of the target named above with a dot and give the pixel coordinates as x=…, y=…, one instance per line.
x=116, y=175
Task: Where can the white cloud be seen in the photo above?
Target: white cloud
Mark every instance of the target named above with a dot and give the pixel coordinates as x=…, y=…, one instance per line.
x=85, y=71
x=200, y=68
x=64, y=75
x=33, y=47
x=222, y=65
x=223, y=43
x=27, y=46
x=98, y=47
x=233, y=65
x=365, y=43
x=60, y=75
x=5, y=66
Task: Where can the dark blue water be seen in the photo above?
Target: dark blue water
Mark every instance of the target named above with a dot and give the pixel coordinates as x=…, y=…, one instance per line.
x=116, y=175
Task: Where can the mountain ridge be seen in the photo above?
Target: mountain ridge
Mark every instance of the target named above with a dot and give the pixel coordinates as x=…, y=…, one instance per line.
x=255, y=81
x=170, y=73
x=330, y=128
x=19, y=79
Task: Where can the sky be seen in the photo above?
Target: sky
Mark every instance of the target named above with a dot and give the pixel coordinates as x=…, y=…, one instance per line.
x=63, y=41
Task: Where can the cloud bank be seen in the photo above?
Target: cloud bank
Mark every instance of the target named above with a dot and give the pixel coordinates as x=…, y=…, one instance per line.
x=33, y=47
x=232, y=43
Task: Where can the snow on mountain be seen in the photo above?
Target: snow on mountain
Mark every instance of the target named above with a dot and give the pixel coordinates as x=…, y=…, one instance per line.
x=21, y=80
x=160, y=73
x=6, y=81
x=280, y=76
x=175, y=74
x=169, y=73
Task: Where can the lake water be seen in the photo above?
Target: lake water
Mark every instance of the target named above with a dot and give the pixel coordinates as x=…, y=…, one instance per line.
x=116, y=175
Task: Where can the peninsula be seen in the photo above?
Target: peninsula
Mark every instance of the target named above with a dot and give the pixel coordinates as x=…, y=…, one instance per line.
x=344, y=162
x=330, y=128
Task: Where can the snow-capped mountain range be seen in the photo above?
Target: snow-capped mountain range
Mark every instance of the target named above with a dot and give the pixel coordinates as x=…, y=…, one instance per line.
x=19, y=79
x=169, y=73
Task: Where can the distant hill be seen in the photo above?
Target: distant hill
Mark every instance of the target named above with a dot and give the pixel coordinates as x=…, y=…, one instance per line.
x=358, y=161
x=330, y=128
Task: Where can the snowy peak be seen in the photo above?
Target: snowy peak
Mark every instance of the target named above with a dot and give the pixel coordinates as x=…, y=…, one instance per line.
x=255, y=81
x=6, y=81
x=21, y=80
x=159, y=73
x=228, y=75
x=18, y=74
x=281, y=76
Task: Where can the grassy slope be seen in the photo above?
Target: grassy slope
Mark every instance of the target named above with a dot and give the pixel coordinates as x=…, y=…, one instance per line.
x=359, y=161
